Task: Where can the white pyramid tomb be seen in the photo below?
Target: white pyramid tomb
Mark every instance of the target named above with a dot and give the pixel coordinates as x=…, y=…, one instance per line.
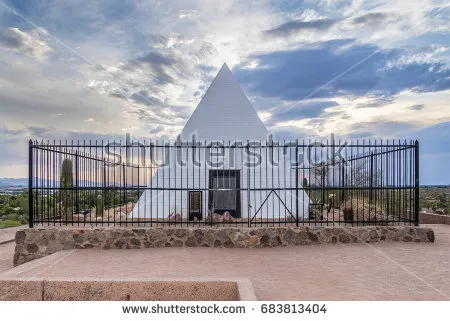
x=223, y=114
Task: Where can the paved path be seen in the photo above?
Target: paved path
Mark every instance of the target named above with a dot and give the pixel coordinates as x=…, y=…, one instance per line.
x=8, y=234
x=7, y=245
x=383, y=271
x=6, y=256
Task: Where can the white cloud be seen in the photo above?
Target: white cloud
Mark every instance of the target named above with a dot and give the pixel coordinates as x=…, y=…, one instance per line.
x=32, y=44
x=188, y=14
x=430, y=55
x=401, y=109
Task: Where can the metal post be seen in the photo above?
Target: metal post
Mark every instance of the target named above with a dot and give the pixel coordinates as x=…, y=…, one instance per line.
x=416, y=189
x=138, y=186
x=371, y=179
x=76, y=183
x=124, y=186
x=30, y=184
x=343, y=181
x=296, y=181
x=248, y=185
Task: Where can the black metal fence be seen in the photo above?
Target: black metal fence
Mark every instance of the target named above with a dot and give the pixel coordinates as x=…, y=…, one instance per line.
x=272, y=183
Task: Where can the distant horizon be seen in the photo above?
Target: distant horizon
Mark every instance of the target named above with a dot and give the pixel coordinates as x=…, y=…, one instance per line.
x=26, y=178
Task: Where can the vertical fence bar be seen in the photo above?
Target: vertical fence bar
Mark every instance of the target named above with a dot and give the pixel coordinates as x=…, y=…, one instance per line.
x=138, y=188
x=124, y=189
x=371, y=180
x=249, y=206
x=296, y=182
x=30, y=184
x=416, y=186
x=76, y=182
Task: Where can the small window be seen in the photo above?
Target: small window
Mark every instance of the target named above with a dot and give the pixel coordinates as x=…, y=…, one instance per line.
x=195, y=205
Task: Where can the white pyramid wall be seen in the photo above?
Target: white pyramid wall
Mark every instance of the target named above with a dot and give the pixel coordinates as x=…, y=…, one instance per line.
x=224, y=113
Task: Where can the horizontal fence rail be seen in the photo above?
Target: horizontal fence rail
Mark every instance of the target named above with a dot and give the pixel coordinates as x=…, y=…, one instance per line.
x=241, y=183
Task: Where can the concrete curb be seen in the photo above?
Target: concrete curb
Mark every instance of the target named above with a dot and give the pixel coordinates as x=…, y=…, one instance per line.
x=46, y=260
x=8, y=235
x=7, y=241
x=246, y=291
x=137, y=289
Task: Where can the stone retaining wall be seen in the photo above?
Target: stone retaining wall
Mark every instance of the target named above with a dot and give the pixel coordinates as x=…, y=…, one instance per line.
x=35, y=243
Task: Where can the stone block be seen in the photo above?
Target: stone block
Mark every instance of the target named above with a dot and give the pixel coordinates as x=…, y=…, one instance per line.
x=140, y=291
x=17, y=290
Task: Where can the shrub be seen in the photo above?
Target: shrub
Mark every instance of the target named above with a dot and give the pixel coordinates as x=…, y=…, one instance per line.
x=23, y=219
x=11, y=217
x=363, y=210
x=9, y=223
x=348, y=214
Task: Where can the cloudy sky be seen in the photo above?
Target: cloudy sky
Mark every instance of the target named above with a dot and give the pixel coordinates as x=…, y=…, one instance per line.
x=102, y=68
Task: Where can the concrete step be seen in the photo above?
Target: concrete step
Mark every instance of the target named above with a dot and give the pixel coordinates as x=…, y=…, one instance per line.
x=36, y=281
x=65, y=289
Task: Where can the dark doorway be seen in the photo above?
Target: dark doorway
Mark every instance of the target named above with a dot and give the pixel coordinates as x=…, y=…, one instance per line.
x=226, y=200
x=195, y=205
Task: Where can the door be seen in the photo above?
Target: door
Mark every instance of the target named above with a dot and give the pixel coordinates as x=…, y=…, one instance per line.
x=228, y=199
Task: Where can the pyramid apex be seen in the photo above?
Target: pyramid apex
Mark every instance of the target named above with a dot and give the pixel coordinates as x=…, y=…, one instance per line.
x=225, y=67
x=224, y=113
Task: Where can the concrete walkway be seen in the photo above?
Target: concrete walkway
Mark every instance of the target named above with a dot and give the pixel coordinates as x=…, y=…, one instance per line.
x=6, y=256
x=383, y=271
x=7, y=245
x=8, y=234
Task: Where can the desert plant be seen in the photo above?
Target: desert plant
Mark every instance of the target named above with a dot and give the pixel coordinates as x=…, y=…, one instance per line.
x=330, y=202
x=66, y=184
x=348, y=214
x=175, y=215
x=360, y=209
x=316, y=213
x=99, y=207
x=318, y=178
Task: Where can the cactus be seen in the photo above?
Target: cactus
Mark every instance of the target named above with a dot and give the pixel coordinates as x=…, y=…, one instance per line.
x=66, y=181
x=330, y=202
x=99, y=208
